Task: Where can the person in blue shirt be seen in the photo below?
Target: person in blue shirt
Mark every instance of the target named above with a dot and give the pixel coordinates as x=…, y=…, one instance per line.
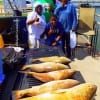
x=66, y=13
x=53, y=32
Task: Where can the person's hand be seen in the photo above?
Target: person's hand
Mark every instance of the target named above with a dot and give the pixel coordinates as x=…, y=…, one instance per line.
x=51, y=31
x=54, y=43
x=36, y=19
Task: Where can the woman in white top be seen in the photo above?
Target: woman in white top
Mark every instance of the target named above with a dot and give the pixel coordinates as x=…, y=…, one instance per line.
x=36, y=25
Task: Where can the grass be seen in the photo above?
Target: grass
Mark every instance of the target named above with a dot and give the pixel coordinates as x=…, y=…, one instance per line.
x=1, y=3
x=24, y=14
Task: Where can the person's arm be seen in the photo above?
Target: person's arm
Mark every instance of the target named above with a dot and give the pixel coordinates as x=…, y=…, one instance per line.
x=56, y=40
x=36, y=19
x=31, y=18
x=75, y=21
x=50, y=31
x=57, y=9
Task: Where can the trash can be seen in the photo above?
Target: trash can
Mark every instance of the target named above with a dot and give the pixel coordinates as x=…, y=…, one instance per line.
x=1, y=41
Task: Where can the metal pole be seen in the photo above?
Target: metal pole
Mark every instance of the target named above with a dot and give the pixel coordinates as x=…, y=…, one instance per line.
x=16, y=22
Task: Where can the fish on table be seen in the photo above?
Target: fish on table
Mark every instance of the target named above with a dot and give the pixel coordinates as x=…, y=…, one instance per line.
x=44, y=67
x=58, y=59
x=51, y=76
x=84, y=91
x=45, y=87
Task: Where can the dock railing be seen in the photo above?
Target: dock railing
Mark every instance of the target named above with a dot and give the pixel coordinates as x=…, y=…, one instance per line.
x=10, y=12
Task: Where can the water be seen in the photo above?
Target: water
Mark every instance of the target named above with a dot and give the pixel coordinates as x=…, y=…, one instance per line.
x=97, y=12
x=98, y=20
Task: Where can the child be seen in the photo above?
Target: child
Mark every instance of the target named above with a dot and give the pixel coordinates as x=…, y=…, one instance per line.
x=53, y=32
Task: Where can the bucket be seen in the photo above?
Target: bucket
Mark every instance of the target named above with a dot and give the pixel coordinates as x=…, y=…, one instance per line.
x=2, y=77
x=1, y=41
